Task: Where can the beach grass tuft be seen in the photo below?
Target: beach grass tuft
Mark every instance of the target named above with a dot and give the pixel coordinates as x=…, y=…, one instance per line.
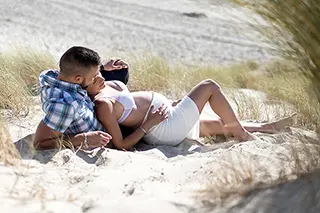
x=293, y=29
x=19, y=70
x=8, y=152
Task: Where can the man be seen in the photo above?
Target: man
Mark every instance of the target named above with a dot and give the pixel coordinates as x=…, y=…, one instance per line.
x=69, y=111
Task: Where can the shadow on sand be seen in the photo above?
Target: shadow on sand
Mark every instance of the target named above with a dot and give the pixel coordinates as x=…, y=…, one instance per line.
x=188, y=146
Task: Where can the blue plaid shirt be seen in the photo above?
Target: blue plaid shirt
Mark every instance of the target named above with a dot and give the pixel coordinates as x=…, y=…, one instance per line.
x=67, y=106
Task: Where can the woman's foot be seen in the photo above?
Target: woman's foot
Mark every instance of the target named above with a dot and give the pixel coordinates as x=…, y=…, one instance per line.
x=247, y=136
x=239, y=133
x=279, y=125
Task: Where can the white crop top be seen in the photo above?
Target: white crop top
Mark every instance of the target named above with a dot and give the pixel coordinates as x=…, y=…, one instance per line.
x=125, y=98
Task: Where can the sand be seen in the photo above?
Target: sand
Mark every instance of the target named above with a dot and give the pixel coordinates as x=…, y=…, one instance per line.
x=218, y=35
x=188, y=178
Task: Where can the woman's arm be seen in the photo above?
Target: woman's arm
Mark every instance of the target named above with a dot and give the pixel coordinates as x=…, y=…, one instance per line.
x=107, y=116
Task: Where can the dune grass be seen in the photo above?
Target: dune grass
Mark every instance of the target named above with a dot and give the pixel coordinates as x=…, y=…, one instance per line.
x=154, y=73
x=8, y=152
x=19, y=70
x=282, y=81
x=294, y=31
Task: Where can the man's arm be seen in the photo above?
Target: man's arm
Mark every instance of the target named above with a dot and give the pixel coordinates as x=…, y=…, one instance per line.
x=58, y=118
x=46, y=138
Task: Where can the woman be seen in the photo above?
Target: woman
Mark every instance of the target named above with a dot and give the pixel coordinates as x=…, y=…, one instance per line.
x=157, y=121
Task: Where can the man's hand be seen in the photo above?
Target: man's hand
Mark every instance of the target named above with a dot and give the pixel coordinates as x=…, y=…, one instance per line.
x=115, y=64
x=98, y=139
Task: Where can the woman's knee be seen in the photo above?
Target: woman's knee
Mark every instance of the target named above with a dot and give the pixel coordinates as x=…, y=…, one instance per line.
x=211, y=84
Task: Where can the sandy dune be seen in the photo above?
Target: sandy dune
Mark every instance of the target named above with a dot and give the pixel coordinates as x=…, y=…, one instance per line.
x=163, y=178
x=219, y=35
x=159, y=179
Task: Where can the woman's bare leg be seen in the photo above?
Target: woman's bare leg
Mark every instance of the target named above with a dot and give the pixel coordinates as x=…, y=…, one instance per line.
x=270, y=127
x=214, y=126
x=211, y=127
x=210, y=91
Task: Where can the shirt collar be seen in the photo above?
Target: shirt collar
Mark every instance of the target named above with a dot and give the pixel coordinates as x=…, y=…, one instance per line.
x=50, y=78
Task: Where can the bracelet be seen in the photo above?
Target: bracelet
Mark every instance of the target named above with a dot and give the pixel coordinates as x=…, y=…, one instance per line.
x=85, y=141
x=143, y=130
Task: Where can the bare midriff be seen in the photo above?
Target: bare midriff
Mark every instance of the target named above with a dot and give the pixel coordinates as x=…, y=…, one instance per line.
x=143, y=100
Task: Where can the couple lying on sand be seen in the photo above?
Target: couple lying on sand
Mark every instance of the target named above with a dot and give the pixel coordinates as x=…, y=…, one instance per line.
x=87, y=110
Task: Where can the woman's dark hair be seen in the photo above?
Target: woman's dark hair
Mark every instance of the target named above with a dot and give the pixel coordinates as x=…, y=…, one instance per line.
x=77, y=60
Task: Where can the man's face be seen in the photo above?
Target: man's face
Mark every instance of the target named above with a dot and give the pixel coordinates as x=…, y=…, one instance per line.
x=96, y=86
x=89, y=77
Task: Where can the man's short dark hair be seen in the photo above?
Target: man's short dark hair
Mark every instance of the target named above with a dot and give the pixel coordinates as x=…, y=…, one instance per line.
x=77, y=59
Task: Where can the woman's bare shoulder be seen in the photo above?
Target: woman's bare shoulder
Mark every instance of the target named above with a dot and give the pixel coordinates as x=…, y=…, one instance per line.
x=102, y=100
x=104, y=107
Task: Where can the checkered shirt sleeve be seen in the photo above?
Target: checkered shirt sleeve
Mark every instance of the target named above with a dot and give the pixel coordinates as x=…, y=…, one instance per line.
x=59, y=116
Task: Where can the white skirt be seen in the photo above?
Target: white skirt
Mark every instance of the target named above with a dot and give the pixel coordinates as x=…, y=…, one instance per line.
x=182, y=122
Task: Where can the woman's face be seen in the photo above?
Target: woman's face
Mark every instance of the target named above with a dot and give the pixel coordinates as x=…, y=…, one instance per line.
x=97, y=85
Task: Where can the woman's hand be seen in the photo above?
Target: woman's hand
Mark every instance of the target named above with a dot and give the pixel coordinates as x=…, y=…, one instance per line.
x=98, y=139
x=115, y=64
x=156, y=117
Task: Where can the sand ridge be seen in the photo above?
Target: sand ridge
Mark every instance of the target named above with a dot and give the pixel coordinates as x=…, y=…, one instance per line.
x=218, y=36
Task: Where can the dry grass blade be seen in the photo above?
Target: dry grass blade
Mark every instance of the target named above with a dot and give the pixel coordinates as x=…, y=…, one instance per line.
x=8, y=152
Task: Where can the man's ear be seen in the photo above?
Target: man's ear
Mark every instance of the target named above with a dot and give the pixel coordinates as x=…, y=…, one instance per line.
x=78, y=79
